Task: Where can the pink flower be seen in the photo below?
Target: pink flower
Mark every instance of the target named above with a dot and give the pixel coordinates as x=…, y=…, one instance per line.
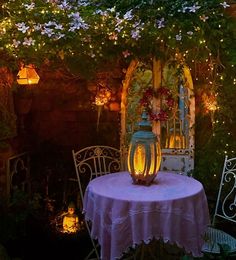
x=113, y=36
x=126, y=53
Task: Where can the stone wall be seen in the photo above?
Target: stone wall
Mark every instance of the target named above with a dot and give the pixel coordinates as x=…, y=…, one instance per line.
x=63, y=111
x=56, y=116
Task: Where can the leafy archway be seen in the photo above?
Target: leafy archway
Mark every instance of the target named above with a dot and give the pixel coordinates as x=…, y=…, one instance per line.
x=97, y=31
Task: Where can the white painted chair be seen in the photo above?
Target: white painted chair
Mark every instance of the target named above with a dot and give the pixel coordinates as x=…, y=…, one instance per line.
x=91, y=162
x=217, y=240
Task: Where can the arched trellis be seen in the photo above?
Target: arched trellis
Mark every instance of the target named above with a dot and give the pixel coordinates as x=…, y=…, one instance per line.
x=125, y=85
x=179, y=156
x=180, y=159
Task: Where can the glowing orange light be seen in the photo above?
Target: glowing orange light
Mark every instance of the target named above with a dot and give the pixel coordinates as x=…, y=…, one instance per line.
x=102, y=97
x=27, y=75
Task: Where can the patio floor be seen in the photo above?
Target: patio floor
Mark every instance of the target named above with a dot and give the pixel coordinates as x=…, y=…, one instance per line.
x=42, y=244
x=73, y=248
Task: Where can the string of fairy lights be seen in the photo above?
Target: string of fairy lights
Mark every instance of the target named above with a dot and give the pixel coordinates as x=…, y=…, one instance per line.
x=54, y=20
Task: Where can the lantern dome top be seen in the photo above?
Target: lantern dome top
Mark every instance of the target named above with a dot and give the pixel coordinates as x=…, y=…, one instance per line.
x=144, y=124
x=145, y=129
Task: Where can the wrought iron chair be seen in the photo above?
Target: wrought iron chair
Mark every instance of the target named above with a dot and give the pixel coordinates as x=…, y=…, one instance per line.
x=216, y=240
x=91, y=162
x=18, y=174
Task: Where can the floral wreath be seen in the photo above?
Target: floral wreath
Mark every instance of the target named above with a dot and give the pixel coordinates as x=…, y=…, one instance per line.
x=167, y=103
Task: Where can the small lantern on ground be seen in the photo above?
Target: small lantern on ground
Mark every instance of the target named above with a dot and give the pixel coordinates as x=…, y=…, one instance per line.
x=144, y=157
x=71, y=220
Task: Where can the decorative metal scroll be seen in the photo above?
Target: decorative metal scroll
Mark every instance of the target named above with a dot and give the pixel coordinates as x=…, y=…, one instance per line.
x=18, y=173
x=94, y=161
x=226, y=201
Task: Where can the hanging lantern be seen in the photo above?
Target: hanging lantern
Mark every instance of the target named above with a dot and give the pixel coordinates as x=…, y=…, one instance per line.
x=144, y=157
x=27, y=75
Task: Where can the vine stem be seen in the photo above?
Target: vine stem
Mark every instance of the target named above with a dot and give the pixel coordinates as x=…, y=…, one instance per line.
x=99, y=115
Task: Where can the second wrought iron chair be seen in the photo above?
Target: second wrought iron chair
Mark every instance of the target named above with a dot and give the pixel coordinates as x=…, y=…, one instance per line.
x=91, y=162
x=216, y=240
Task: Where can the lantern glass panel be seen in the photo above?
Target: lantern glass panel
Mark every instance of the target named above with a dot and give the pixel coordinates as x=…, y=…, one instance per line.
x=27, y=76
x=153, y=166
x=139, y=159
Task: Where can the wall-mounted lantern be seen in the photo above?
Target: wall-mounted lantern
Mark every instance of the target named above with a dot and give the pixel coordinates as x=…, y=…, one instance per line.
x=102, y=97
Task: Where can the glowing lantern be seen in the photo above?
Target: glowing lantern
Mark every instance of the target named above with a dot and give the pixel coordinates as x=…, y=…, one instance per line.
x=144, y=157
x=176, y=138
x=176, y=141
x=70, y=220
x=27, y=76
x=102, y=97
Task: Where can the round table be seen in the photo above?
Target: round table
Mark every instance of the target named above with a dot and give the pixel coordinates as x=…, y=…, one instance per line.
x=173, y=208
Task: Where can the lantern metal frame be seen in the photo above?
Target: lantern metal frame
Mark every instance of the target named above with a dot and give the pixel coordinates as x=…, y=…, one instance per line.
x=150, y=160
x=27, y=75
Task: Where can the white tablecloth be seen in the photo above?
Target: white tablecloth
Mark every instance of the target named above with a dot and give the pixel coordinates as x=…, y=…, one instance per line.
x=173, y=208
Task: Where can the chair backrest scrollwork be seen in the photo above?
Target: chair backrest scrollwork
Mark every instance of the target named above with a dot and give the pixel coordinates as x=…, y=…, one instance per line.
x=18, y=174
x=93, y=161
x=226, y=200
